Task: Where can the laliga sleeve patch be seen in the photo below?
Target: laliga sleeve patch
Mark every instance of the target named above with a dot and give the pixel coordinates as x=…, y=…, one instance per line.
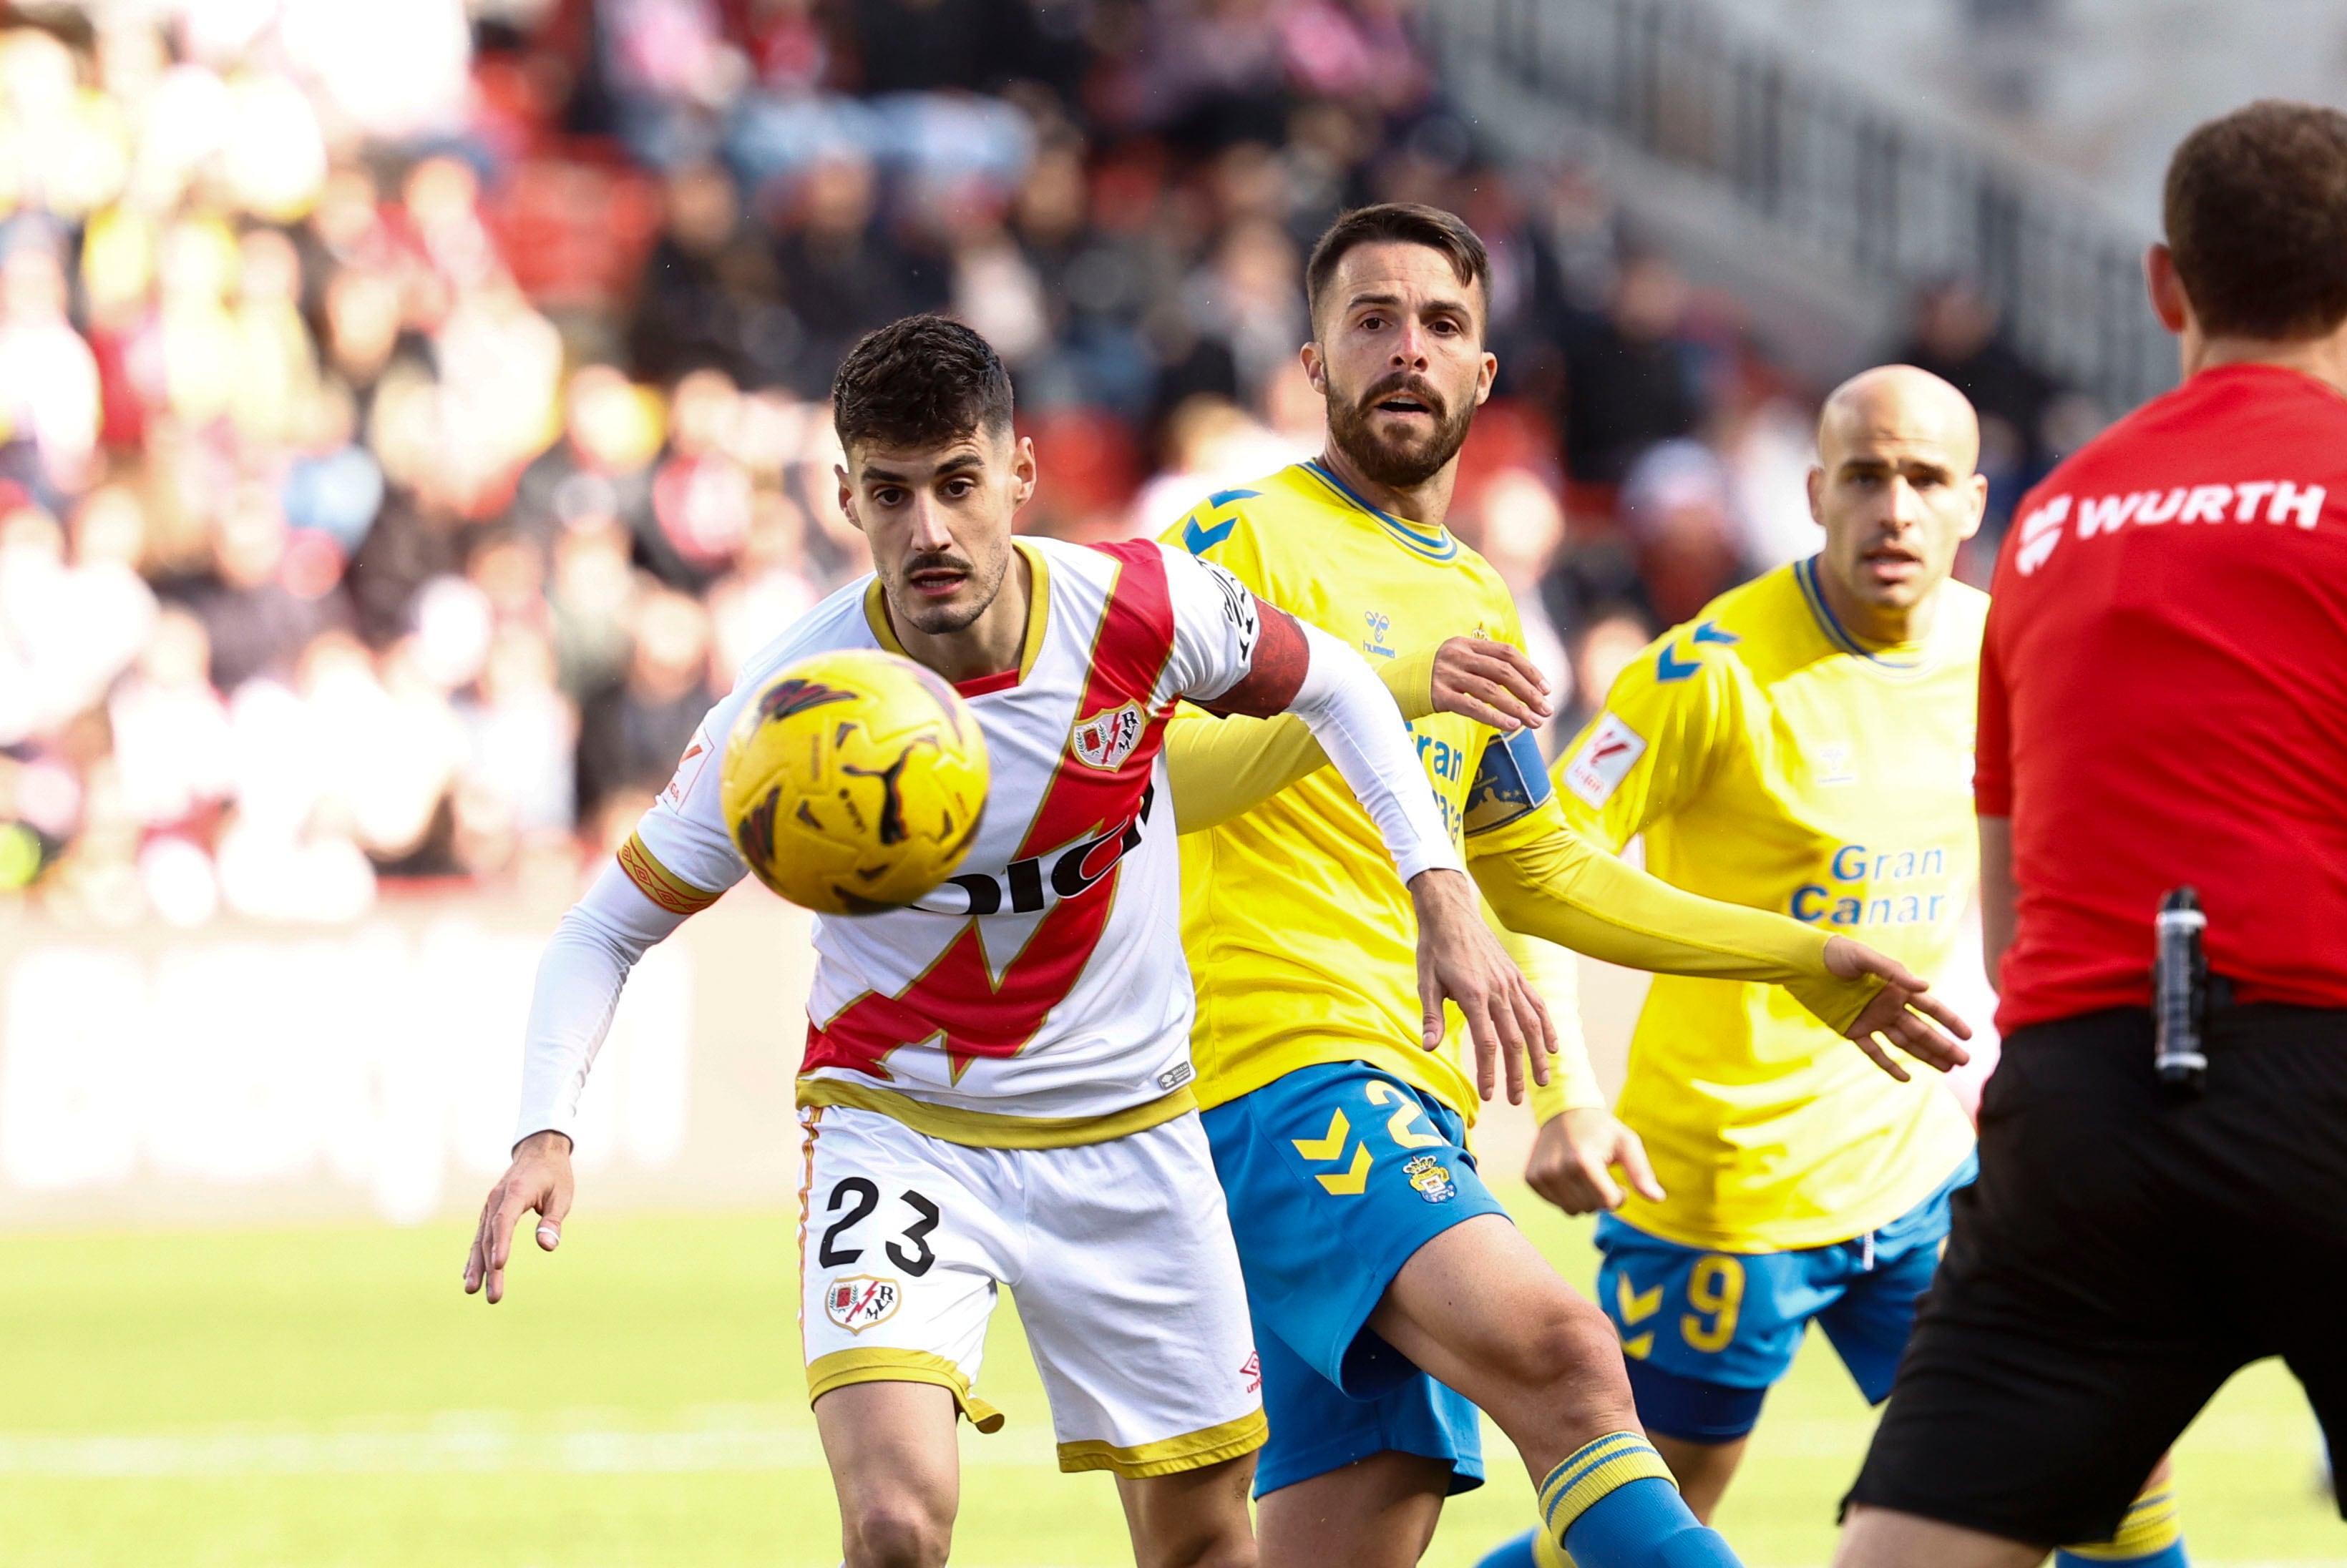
x=1605, y=759
x=688, y=769
x=1510, y=781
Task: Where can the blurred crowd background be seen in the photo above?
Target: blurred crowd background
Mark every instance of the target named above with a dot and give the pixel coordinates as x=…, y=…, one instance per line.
x=413, y=409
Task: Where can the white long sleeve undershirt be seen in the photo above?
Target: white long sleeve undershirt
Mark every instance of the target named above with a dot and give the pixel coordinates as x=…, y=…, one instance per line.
x=1353, y=718
x=580, y=978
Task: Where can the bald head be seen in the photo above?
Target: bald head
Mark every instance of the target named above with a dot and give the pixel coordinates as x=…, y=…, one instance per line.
x=1904, y=404
x=1897, y=489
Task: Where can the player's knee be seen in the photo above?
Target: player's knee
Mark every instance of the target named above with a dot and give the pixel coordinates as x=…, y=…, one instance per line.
x=1561, y=1378
x=1230, y=1547
x=896, y=1531
x=1568, y=1345
x=1207, y=1532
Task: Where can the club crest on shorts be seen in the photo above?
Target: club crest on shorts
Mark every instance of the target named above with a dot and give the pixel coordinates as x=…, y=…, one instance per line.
x=1105, y=740
x=1431, y=1178
x=860, y=1300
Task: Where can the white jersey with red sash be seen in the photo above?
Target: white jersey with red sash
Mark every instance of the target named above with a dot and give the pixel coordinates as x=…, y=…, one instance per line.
x=1039, y=997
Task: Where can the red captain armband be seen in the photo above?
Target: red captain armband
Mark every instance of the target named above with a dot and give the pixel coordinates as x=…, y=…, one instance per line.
x=1276, y=671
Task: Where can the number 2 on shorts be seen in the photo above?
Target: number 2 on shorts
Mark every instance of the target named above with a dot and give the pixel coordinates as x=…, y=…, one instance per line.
x=1398, y=1125
x=861, y=1198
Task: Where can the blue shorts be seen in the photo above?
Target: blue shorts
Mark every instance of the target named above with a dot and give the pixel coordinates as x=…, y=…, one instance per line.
x=1706, y=1333
x=1335, y=1175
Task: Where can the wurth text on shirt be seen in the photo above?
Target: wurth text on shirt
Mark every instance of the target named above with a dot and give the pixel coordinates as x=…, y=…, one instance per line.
x=2278, y=500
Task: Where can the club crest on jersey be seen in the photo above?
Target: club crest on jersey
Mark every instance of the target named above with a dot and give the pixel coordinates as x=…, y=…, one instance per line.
x=1106, y=740
x=859, y=1301
x=1605, y=759
x=1431, y=1177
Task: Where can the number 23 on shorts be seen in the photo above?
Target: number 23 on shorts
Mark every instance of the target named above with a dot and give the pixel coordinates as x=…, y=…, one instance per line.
x=858, y=1197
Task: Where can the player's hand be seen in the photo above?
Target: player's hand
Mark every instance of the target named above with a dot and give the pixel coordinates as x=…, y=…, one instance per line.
x=1490, y=683
x=1461, y=960
x=539, y=1181
x=1900, y=1010
x=1572, y=1156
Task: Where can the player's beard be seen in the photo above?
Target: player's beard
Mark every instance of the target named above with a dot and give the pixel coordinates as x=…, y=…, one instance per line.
x=1402, y=465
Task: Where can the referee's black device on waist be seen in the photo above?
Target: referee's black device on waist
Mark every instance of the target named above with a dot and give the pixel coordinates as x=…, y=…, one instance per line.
x=2179, y=991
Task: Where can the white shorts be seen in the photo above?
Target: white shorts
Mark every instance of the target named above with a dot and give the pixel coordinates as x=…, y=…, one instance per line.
x=1119, y=1253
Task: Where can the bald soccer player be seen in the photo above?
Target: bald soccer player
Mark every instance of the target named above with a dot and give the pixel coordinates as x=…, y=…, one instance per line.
x=1804, y=745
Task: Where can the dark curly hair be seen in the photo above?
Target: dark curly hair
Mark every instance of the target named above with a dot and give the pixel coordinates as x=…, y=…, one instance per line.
x=2256, y=212
x=919, y=382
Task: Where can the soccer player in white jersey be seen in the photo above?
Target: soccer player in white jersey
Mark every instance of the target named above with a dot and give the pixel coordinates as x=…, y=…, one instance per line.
x=995, y=1089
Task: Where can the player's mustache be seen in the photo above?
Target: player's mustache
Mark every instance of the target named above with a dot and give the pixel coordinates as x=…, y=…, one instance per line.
x=939, y=561
x=1416, y=386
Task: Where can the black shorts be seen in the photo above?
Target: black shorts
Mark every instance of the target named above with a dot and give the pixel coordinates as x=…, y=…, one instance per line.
x=2120, y=1257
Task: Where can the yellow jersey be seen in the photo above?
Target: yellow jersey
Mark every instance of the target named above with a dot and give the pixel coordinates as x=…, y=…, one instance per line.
x=1301, y=939
x=1771, y=760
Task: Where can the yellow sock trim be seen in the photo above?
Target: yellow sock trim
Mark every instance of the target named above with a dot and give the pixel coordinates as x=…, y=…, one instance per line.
x=1547, y=1553
x=2150, y=1525
x=1594, y=1470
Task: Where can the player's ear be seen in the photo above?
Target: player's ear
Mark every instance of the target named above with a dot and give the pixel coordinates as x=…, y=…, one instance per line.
x=847, y=496
x=1977, y=488
x=1315, y=369
x=1816, y=487
x=1023, y=471
x=1486, y=374
x=2169, y=301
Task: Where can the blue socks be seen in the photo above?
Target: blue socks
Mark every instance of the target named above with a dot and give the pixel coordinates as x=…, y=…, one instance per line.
x=2169, y=1556
x=1524, y=1551
x=1613, y=1505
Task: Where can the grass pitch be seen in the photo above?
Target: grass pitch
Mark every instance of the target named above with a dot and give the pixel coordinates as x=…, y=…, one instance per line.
x=328, y=1398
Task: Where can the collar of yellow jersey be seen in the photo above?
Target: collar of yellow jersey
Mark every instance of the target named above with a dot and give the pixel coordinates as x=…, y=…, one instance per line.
x=1038, y=610
x=1905, y=658
x=1436, y=544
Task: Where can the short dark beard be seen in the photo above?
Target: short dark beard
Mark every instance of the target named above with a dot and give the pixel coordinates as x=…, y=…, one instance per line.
x=1396, y=468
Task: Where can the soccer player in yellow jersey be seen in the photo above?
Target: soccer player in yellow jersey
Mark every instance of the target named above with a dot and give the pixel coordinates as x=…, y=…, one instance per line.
x=1804, y=745
x=1376, y=1262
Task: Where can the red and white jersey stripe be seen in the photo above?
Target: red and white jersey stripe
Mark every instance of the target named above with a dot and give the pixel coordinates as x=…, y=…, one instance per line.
x=1039, y=996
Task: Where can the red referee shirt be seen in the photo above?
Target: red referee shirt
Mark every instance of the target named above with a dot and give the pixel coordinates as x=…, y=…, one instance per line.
x=2164, y=699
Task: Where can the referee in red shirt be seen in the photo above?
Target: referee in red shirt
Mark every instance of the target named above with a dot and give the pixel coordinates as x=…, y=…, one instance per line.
x=2163, y=705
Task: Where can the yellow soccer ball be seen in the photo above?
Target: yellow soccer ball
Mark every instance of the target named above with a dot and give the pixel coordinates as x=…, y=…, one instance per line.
x=853, y=780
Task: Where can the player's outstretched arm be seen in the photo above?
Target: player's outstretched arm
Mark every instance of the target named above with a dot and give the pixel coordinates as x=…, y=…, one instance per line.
x=579, y=979
x=1545, y=880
